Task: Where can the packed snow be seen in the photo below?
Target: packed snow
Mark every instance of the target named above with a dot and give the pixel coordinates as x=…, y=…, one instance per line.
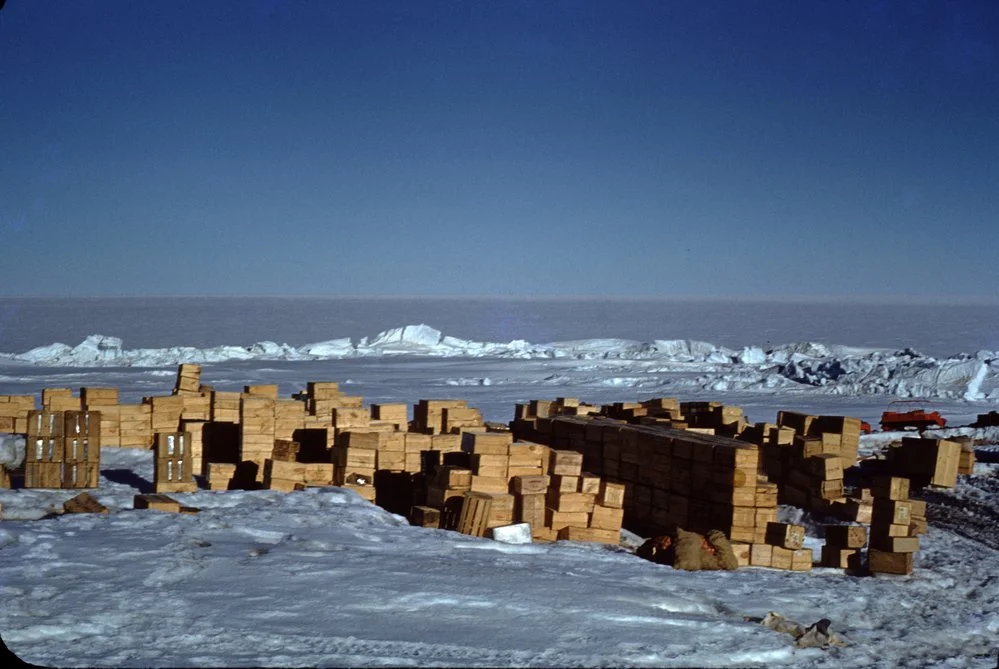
x=323, y=578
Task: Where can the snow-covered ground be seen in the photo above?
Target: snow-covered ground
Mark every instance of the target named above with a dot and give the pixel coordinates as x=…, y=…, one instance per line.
x=322, y=578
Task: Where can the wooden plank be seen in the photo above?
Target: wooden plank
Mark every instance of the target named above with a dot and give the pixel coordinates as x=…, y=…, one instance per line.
x=83, y=503
x=156, y=502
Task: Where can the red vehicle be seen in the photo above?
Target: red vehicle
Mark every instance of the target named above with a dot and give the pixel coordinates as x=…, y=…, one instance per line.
x=917, y=418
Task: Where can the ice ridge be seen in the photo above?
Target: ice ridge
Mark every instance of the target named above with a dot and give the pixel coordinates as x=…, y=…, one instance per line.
x=828, y=368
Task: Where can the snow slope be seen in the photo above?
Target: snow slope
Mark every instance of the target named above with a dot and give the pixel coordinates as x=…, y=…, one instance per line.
x=827, y=369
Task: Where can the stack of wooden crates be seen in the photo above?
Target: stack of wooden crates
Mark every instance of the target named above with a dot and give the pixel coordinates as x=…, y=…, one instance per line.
x=508, y=482
x=62, y=449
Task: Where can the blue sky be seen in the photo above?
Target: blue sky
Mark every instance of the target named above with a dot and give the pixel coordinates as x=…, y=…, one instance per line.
x=650, y=148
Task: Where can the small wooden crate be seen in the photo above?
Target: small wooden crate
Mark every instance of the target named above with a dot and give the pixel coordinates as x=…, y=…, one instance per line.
x=475, y=511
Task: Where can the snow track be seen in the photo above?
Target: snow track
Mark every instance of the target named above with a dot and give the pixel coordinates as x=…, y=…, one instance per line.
x=969, y=510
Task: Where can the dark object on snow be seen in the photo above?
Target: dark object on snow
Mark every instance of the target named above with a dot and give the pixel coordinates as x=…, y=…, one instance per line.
x=690, y=551
x=816, y=636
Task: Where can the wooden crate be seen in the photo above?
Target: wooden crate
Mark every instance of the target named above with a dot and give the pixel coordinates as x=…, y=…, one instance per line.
x=188, y=379
x=219, y=475
x=882, y=562
x=565, y=463
x=602, y=536
x=606, y=518
x=83, y=503
x=785, y=535
x=936, y=460
x=80, y=475
x=890, y=487
x=761, y=555
x=156, y=502
x=96, y=397
x=490, y=484
x=894, y=544
x=838, y=557
x=487, y=443
x=846, y=536
x=611, y=494
x=475, y=510
x=268, y=390
x=173, y=470
x=366, y=492
x=801, y=559
x=529, y=485
x=571, y=502
x=43, y=474
x=425, y=516
x=558, y=519
x=530, y=509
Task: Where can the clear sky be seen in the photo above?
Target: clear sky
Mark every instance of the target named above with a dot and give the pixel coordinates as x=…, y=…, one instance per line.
x=733, y=147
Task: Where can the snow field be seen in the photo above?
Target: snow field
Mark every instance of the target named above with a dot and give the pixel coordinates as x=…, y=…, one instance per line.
x=321, y=578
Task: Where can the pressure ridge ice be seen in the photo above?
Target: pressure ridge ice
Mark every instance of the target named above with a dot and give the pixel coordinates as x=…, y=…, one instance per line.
x=827, y=368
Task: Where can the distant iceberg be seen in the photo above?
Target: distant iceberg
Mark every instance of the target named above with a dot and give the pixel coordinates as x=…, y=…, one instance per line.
x=825, y=368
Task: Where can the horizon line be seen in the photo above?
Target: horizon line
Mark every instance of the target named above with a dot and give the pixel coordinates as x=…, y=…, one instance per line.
x=906, y=299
